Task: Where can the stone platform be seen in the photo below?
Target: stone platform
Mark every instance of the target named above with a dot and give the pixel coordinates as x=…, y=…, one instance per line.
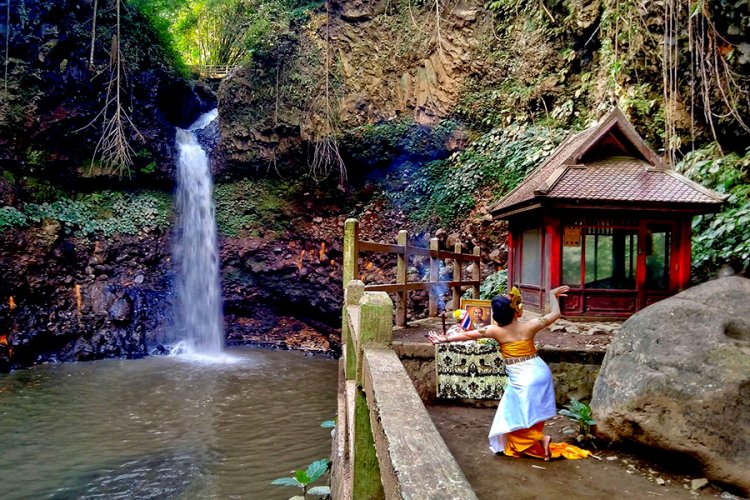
x=573, y=351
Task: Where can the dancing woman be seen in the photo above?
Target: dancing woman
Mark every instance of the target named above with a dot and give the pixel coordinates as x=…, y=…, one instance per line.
x=529, y=397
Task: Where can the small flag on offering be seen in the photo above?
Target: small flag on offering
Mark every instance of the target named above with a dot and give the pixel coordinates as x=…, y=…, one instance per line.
x=464, y=319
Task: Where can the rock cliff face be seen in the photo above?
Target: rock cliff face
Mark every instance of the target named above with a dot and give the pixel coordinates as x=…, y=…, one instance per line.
x=394, y=65
x=50, y=118
x=388, y=62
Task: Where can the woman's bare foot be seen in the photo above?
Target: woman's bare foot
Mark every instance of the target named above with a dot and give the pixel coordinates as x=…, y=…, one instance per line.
x=545, y=444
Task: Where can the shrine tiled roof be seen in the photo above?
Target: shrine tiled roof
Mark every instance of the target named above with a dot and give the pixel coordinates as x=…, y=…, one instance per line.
x=608, y=162
x=627, y=179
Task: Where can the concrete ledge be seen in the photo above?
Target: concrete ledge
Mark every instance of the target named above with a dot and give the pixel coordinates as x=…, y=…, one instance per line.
x=415, y=462
x=416, y=350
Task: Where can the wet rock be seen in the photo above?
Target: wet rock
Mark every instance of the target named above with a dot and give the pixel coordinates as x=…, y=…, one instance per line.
x=121, y=310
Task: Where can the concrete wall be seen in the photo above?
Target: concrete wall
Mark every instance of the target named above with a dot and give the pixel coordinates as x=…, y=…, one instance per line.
x=385, y=445
x=573, y=372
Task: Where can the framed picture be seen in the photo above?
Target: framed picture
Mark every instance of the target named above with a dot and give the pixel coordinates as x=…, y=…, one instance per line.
x=480, y=311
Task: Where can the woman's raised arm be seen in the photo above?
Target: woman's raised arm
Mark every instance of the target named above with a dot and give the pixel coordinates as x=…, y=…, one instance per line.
x=542, y=322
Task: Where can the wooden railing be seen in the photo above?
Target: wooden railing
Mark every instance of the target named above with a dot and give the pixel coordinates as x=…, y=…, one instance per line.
x=353, y=246
x=215, y=71
x=385, y=445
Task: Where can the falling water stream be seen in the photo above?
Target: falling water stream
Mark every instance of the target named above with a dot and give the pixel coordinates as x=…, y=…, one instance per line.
x=198, y=317
x=187, y=426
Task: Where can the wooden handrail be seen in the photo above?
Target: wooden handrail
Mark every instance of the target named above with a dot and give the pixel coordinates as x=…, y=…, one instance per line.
x=402, y=250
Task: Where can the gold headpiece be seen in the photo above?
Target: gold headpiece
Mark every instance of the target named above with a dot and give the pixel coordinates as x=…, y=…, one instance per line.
x=515, y=299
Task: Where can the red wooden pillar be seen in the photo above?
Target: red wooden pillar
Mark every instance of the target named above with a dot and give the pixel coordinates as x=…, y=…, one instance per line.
x=553, y=228
x=511, y=258
x=683, y=257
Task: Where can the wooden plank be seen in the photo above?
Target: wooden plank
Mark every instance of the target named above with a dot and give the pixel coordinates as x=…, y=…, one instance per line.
x=371, y=246
x=401, y=268
x=418, y=285
x=397, y=288
x=434, y=277
x=458, y=256
x=476, y=274
x=457, y=276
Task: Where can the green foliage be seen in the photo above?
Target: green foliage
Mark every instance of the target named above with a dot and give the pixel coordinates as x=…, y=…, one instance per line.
x=11, y=217
x=106, y=213
x=442, y=191
x=222, y=32
x=724, y=237
x=246, y=206
x=304, y=478
x=381, y=143
x=581, y=413
x=494, y=284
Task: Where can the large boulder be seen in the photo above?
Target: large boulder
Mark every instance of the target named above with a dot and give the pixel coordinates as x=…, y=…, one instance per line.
x=677, y=378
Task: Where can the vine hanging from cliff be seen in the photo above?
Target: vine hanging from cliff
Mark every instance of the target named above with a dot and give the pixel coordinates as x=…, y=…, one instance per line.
x=113, y=149
x=326, y=156
x=713, y=85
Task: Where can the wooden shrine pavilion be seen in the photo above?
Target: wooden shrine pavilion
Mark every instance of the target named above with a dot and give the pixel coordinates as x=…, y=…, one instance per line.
x=603, y=215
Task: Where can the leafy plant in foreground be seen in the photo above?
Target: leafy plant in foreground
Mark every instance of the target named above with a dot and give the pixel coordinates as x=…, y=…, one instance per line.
x=581, y=413
x=304, y=478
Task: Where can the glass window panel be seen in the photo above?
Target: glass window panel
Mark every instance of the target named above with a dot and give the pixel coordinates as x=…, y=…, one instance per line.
x=599, y=268
x=531, y=258
x=571, y=262
x=611, y=258
x=657, y=260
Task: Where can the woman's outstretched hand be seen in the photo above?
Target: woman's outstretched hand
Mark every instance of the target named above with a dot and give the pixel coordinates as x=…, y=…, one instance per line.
x=436, y=338
x=560, y=291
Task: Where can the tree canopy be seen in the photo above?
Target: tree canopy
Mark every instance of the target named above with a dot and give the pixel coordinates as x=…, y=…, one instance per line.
x=221, y=32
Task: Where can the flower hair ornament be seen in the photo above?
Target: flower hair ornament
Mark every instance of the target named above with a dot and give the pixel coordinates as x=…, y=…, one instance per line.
x=515, y=300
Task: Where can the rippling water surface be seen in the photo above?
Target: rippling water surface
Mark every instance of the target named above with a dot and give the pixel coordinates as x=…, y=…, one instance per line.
x=164, y=427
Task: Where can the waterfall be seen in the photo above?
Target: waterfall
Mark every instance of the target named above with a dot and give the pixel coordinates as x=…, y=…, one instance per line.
x=198, y=314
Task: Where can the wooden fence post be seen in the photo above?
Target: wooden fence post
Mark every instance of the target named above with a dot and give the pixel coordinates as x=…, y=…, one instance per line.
x=457, y=276
x=476, y=274
x=434, y=277
x=401, y=275
x=351, y=251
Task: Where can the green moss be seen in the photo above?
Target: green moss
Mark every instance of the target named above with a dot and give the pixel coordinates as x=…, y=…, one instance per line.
x=40, y=190
x=245, y=207
x=381, y=143
x=8, y=176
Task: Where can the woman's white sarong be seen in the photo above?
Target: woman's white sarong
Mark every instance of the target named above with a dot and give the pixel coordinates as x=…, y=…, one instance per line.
x=529, y=398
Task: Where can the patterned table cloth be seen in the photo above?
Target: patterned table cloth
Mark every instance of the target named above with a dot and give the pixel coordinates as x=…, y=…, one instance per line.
x=469, y=370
